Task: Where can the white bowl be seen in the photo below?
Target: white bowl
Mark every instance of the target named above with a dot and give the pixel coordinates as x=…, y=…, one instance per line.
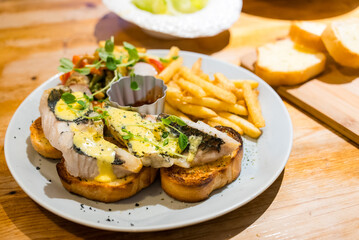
x=216, y=17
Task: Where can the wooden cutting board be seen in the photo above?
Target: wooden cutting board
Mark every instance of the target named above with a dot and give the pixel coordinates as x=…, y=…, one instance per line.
x=332, y=97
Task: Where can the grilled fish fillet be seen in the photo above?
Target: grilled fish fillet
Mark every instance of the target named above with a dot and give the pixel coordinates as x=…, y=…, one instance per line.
x=206, y=144
x=60, y=134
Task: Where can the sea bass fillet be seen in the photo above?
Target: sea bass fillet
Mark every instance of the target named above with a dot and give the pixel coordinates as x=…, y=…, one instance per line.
x=87, y=154
x=161, y=141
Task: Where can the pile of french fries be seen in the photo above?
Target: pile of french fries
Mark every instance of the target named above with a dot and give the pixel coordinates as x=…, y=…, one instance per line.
x=192, y=94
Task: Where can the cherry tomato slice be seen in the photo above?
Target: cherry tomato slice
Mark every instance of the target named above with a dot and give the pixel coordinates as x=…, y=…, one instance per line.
x=156, y=64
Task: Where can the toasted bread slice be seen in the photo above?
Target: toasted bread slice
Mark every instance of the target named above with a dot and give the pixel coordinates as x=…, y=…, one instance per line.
x=341, y=38
x=40, y=142
x=286, y=63
x=196, y=183
x=107, y=192
x=308, y=34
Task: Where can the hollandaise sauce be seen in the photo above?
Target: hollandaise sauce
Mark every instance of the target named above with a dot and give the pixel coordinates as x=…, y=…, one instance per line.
x=73, y=111
x=143, y=136
x=94, y=145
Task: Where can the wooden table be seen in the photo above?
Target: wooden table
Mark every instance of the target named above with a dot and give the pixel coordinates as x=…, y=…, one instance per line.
x=316, y=196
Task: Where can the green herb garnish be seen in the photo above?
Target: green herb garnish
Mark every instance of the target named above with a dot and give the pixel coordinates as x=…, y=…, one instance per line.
x=65, y=65
x=83, y=71
x=183, y=139
x=68, y=98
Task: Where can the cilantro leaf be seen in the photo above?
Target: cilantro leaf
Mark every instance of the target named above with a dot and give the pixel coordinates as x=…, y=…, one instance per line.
x=110, y=63
x=83, y=71
x=82, y=104
x=68, y=98
x=129, y=134
x=65, y=65
x=175, y=57
x=109, y=46
x=165, y=142
x=66, y=62
x=88, y=98
x=134, y=86
x=182, y=141
x=132, y=51
x=166, y=121
x=165, y=134
x=103, y=54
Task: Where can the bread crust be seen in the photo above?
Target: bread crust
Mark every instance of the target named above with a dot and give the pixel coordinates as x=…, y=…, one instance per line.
x=287, y=76
x=106, y=192
x=336, y=48
x=197, y=183
x=40, y=142
x=308, y=39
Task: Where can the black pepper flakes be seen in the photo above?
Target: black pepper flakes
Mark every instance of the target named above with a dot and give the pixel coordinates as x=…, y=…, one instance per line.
x=108, y=220
x=110, y=209
x=37, y=168
x=12, y=192
x=132, y=224
x=49, y=180
x=137, y=204
x=33, y=78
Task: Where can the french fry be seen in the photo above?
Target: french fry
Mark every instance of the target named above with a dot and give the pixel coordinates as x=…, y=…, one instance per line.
x=174, y=51
x=209, y=102
x=216, y=104
x=224, y=122
x=190, y=87
x=241, y=102
x=248, y=128
x=173, y=85
x=175, y=77
x=170, y=70
x=253, y=106
x=239, y=83
x=228, y=85
x=194, y=110
x=196, y=67
x=214, y=90
x=172, y=111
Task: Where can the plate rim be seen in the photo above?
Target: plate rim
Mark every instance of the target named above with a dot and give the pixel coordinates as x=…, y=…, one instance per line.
x=190, y=222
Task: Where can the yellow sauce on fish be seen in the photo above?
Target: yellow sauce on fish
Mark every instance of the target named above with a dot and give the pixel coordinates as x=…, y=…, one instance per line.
x=94, y=145
x=146, y=135
x=63, y=111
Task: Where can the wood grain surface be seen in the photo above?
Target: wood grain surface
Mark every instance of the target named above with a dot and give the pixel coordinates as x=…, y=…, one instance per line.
x=315, y=197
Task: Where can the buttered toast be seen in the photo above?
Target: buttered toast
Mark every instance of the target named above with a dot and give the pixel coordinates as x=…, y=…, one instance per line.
x=196, y=183
x=40, y=142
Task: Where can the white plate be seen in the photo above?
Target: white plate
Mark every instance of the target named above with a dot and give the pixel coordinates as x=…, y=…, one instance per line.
x=216, y=17
x=152, y=209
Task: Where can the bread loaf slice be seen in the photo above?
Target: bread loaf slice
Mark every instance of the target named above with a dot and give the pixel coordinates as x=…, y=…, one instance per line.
x=197, y=183
x=341, y=38
x=286, y=63
x=308, y=34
